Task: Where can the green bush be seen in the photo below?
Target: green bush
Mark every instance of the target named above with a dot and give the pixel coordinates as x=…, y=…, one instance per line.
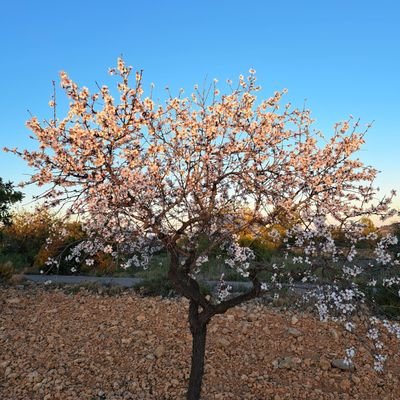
x=156, y=287
x=6, y=271
x=23, y=238
x=385, y=300
x=17, y=260
x=262, y=249
x=155, y=280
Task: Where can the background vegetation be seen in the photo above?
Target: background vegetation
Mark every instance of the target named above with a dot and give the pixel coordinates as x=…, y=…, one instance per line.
x=25, y=248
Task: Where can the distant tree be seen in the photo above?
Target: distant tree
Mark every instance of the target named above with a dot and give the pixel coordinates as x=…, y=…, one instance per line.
x=8, y=197
x=265, y=235
x=369, y=226
x=144, y=176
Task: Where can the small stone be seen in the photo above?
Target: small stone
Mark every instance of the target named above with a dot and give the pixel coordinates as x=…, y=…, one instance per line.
x=286, y=363
x=294, y=332
x=307, y=362
x=345, y=384
x=266, y=330
x=343, y=364
x=32, y=376
x=16, y=300
x=126, y=340
x=159, y=351
x=355, y=379
x=223, y=342
x=294, y=320
x=334, y=333
x=252, y=317
x=141, y=318
x=324, y=364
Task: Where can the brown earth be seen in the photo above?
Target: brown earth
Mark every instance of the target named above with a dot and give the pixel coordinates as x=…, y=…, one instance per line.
x=86, y=346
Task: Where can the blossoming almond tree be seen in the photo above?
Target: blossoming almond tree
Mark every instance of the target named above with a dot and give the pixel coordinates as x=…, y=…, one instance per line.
x=144, y=176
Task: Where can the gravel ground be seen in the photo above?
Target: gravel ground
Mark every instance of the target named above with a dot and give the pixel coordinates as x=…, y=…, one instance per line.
x=55, y=345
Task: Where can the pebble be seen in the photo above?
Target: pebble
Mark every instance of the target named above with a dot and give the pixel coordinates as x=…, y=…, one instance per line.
x=342, y=364
x=223, y=342
x=286, y=363
x=159, y=351
x=252, y=317
x=294, y=332
x=345, y=384
x=14, y=301
x=324, y=364
x=334, y=333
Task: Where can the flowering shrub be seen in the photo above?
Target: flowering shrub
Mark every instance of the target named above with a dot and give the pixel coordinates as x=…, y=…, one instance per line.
x=144, y=176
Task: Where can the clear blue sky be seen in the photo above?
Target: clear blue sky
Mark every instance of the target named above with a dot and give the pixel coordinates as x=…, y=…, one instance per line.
x=342, y=55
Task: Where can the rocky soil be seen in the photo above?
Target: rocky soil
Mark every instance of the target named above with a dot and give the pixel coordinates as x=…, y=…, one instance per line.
x=55, y=345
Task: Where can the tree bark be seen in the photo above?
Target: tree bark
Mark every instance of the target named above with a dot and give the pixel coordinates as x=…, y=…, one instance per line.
x=199, y=332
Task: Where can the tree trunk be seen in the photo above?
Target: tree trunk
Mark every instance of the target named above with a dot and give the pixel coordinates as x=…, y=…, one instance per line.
x=200, y=313
x=199, y=333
